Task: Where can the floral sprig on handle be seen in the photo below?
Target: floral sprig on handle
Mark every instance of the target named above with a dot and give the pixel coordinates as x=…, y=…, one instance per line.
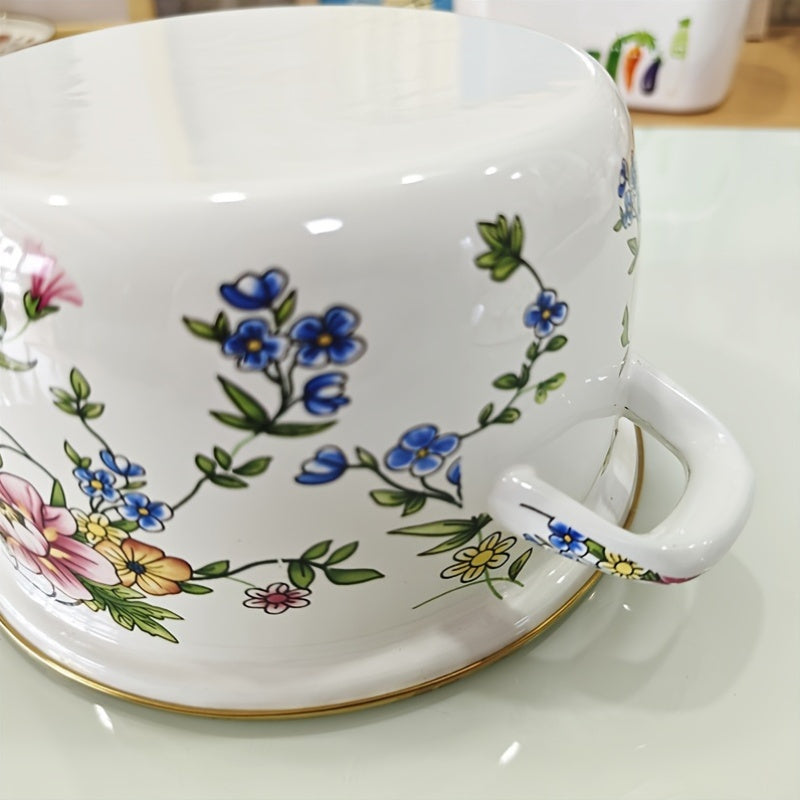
x=559, y=536
x=48, y=284
x=424, y=464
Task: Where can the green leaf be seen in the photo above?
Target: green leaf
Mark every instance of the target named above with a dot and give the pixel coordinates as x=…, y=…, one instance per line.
x=126, y=525
x=136, y=484
x=286, y=308
x=147, y=625
x=205, y=464
x=618, y=224
x=6, y=362
x=299, y=428
x=66, y=407
x=201, y=329
x=502, y=227
x=86, y=462
x=227, y=481
x=555, y=382
x=91, y=410
x=485, y=414
x=414, y=503
x=348, y=577
x=214, y=569
x=504, y=268
x=31, y=305
x=223, y=457
x=79, y=384
x=446, y=527
x=233, y=421
x=60, y=394
x=487, y=260
x=524, y=376
x=516, y=567
x=195, y=588
x=556, y=343
x=244, y=401
x=624, y=338
x=488, y=232
x=222, y=327
x=508, y=415
x=506, y=381
x=57, y=497
x=541, y=394
x=453, y=543
x=72, y=454
x=517, y=236
x=342, y=553
x=633, y=245
x=532, y=351
x=121, y=618
x=595, y=549
x=366, y=458
x=316, y=551
x=253, y=467
x=389, y=497
x=300, y=574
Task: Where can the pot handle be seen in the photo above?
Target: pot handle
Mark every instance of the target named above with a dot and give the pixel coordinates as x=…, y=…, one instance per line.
x=704, y=524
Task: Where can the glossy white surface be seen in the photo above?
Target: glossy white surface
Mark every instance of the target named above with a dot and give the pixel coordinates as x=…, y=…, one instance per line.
x=165, y=166
x=644, y=692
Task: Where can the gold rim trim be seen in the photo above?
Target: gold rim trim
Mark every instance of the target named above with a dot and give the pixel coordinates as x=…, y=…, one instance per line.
x=350, y=705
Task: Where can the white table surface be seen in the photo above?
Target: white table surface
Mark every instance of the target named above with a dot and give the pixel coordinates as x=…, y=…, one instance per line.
x=688, y=691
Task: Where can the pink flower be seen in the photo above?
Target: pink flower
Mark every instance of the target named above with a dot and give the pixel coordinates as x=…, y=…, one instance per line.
x=39, y=539
x=276, y=598
x=48, y=281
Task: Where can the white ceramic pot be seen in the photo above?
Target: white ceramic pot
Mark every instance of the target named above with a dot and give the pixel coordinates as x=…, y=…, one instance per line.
x=287, y=295
x=675, y=56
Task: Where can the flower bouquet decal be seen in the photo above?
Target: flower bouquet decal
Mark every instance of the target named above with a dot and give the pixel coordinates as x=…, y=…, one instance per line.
x=105, y=553
x=423, y=467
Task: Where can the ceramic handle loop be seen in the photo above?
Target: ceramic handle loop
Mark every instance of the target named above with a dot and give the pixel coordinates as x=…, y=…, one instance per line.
x=697, y=533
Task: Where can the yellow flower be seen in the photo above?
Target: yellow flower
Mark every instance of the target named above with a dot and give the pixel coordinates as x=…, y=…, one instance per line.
x=621, y=567
x=96, y=527
x=146, y=566
x=472, y=562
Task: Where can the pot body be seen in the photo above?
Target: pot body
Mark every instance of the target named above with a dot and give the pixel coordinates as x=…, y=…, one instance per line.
x=292, y=288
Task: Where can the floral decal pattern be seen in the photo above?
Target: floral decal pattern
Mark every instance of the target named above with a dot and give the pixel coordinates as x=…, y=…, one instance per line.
x=628, y=195
x=97, y=551
x=566, y=541
x=423, y=465
x=48, y=286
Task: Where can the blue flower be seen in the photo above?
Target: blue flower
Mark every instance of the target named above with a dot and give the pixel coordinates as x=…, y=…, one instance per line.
x=453, y=473
x=544, y=314
x=327, y=338
x=624, y=177
x=324, y=393
x=253, y=291
x=328, y=464
x=567, y=541
x=149, y=514
x=97, y=483
x=628, y=213
x=120, y=464
x=253, y=345
x=421, y=450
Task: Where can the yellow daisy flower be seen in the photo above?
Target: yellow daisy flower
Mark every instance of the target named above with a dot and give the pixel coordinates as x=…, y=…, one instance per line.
x=96, y=527
x=472, y=562
x=621, y=567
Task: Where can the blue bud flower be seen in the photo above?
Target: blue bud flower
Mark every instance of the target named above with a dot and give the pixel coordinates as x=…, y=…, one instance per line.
x=324, y=394
x=253, y=291
x=328, y=464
